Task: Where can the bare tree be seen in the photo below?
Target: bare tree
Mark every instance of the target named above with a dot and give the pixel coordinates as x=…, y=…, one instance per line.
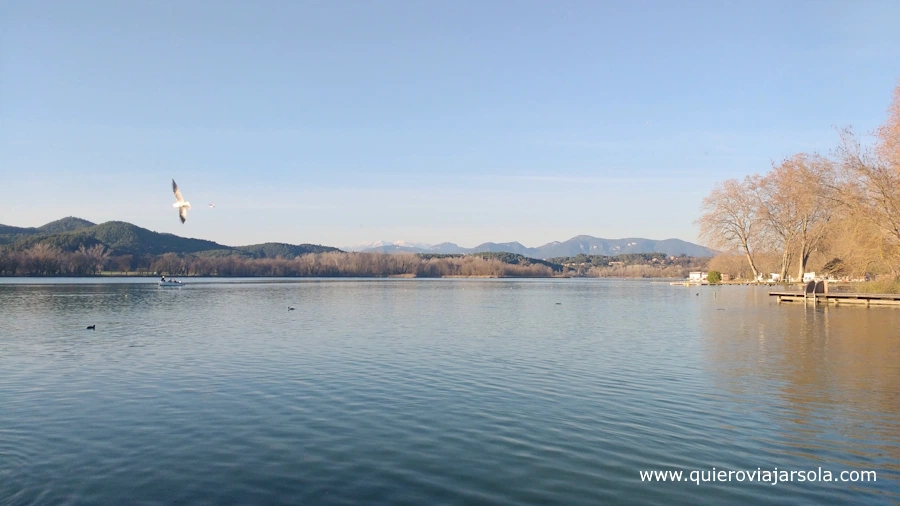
x=795, y=206
x=869, y=187
x=42, y=259
x=888, y=147
x=730, y=218
x=97, y=254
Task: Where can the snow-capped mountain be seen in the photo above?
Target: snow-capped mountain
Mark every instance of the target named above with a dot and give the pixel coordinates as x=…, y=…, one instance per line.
x=390, y=245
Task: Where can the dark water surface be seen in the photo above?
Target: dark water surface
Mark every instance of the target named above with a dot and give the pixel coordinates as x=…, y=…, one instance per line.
x=438, y=392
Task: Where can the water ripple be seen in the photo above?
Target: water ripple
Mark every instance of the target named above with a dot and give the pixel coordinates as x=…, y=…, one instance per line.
x=437, y=392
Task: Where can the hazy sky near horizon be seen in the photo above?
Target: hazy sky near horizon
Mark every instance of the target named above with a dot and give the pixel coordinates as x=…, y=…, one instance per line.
x=465, y=121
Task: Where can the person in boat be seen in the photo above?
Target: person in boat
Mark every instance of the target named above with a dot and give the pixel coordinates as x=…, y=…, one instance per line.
x=163, y=278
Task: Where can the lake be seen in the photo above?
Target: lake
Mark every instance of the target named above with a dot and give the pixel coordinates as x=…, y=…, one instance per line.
x=558, y=391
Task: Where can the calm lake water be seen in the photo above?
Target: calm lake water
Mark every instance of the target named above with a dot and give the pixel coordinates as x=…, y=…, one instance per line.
x=438, y=392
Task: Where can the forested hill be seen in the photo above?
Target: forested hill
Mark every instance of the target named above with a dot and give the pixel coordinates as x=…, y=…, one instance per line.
x=120, y=238
x=9, y=233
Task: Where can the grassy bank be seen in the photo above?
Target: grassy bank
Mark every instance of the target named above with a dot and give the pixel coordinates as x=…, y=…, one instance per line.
x=878, y=286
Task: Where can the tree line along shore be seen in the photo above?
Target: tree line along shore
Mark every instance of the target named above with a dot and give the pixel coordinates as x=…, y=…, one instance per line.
x=836, y=214
x=42, y=259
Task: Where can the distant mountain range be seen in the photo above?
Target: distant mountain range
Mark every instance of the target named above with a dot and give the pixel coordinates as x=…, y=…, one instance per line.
x=126, y=239
x=122, y=238
x=582, y=244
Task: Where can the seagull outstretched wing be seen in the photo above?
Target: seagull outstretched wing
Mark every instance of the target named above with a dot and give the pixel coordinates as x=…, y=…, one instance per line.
x=178, y=196
x=182, y=213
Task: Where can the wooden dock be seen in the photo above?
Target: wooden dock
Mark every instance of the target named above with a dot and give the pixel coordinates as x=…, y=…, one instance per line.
x=868, y=299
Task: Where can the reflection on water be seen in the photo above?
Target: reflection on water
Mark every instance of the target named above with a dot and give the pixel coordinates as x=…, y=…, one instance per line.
x=438, y=391
x=829, y=374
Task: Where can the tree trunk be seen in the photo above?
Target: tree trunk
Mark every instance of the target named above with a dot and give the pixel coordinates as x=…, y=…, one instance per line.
x=752, y=263
x=785, y=265
x=804, y=257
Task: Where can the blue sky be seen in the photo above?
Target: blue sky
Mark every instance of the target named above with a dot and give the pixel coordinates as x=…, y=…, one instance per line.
x=350, y=121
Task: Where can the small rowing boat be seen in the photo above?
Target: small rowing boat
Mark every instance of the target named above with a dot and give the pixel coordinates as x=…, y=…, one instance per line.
x=171, y=283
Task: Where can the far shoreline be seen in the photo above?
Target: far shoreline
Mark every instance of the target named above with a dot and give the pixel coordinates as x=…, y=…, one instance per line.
x=867, y=287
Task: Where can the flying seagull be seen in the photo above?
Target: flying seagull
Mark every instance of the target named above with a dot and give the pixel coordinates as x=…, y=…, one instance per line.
x=180, y=203
x=212, y=205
